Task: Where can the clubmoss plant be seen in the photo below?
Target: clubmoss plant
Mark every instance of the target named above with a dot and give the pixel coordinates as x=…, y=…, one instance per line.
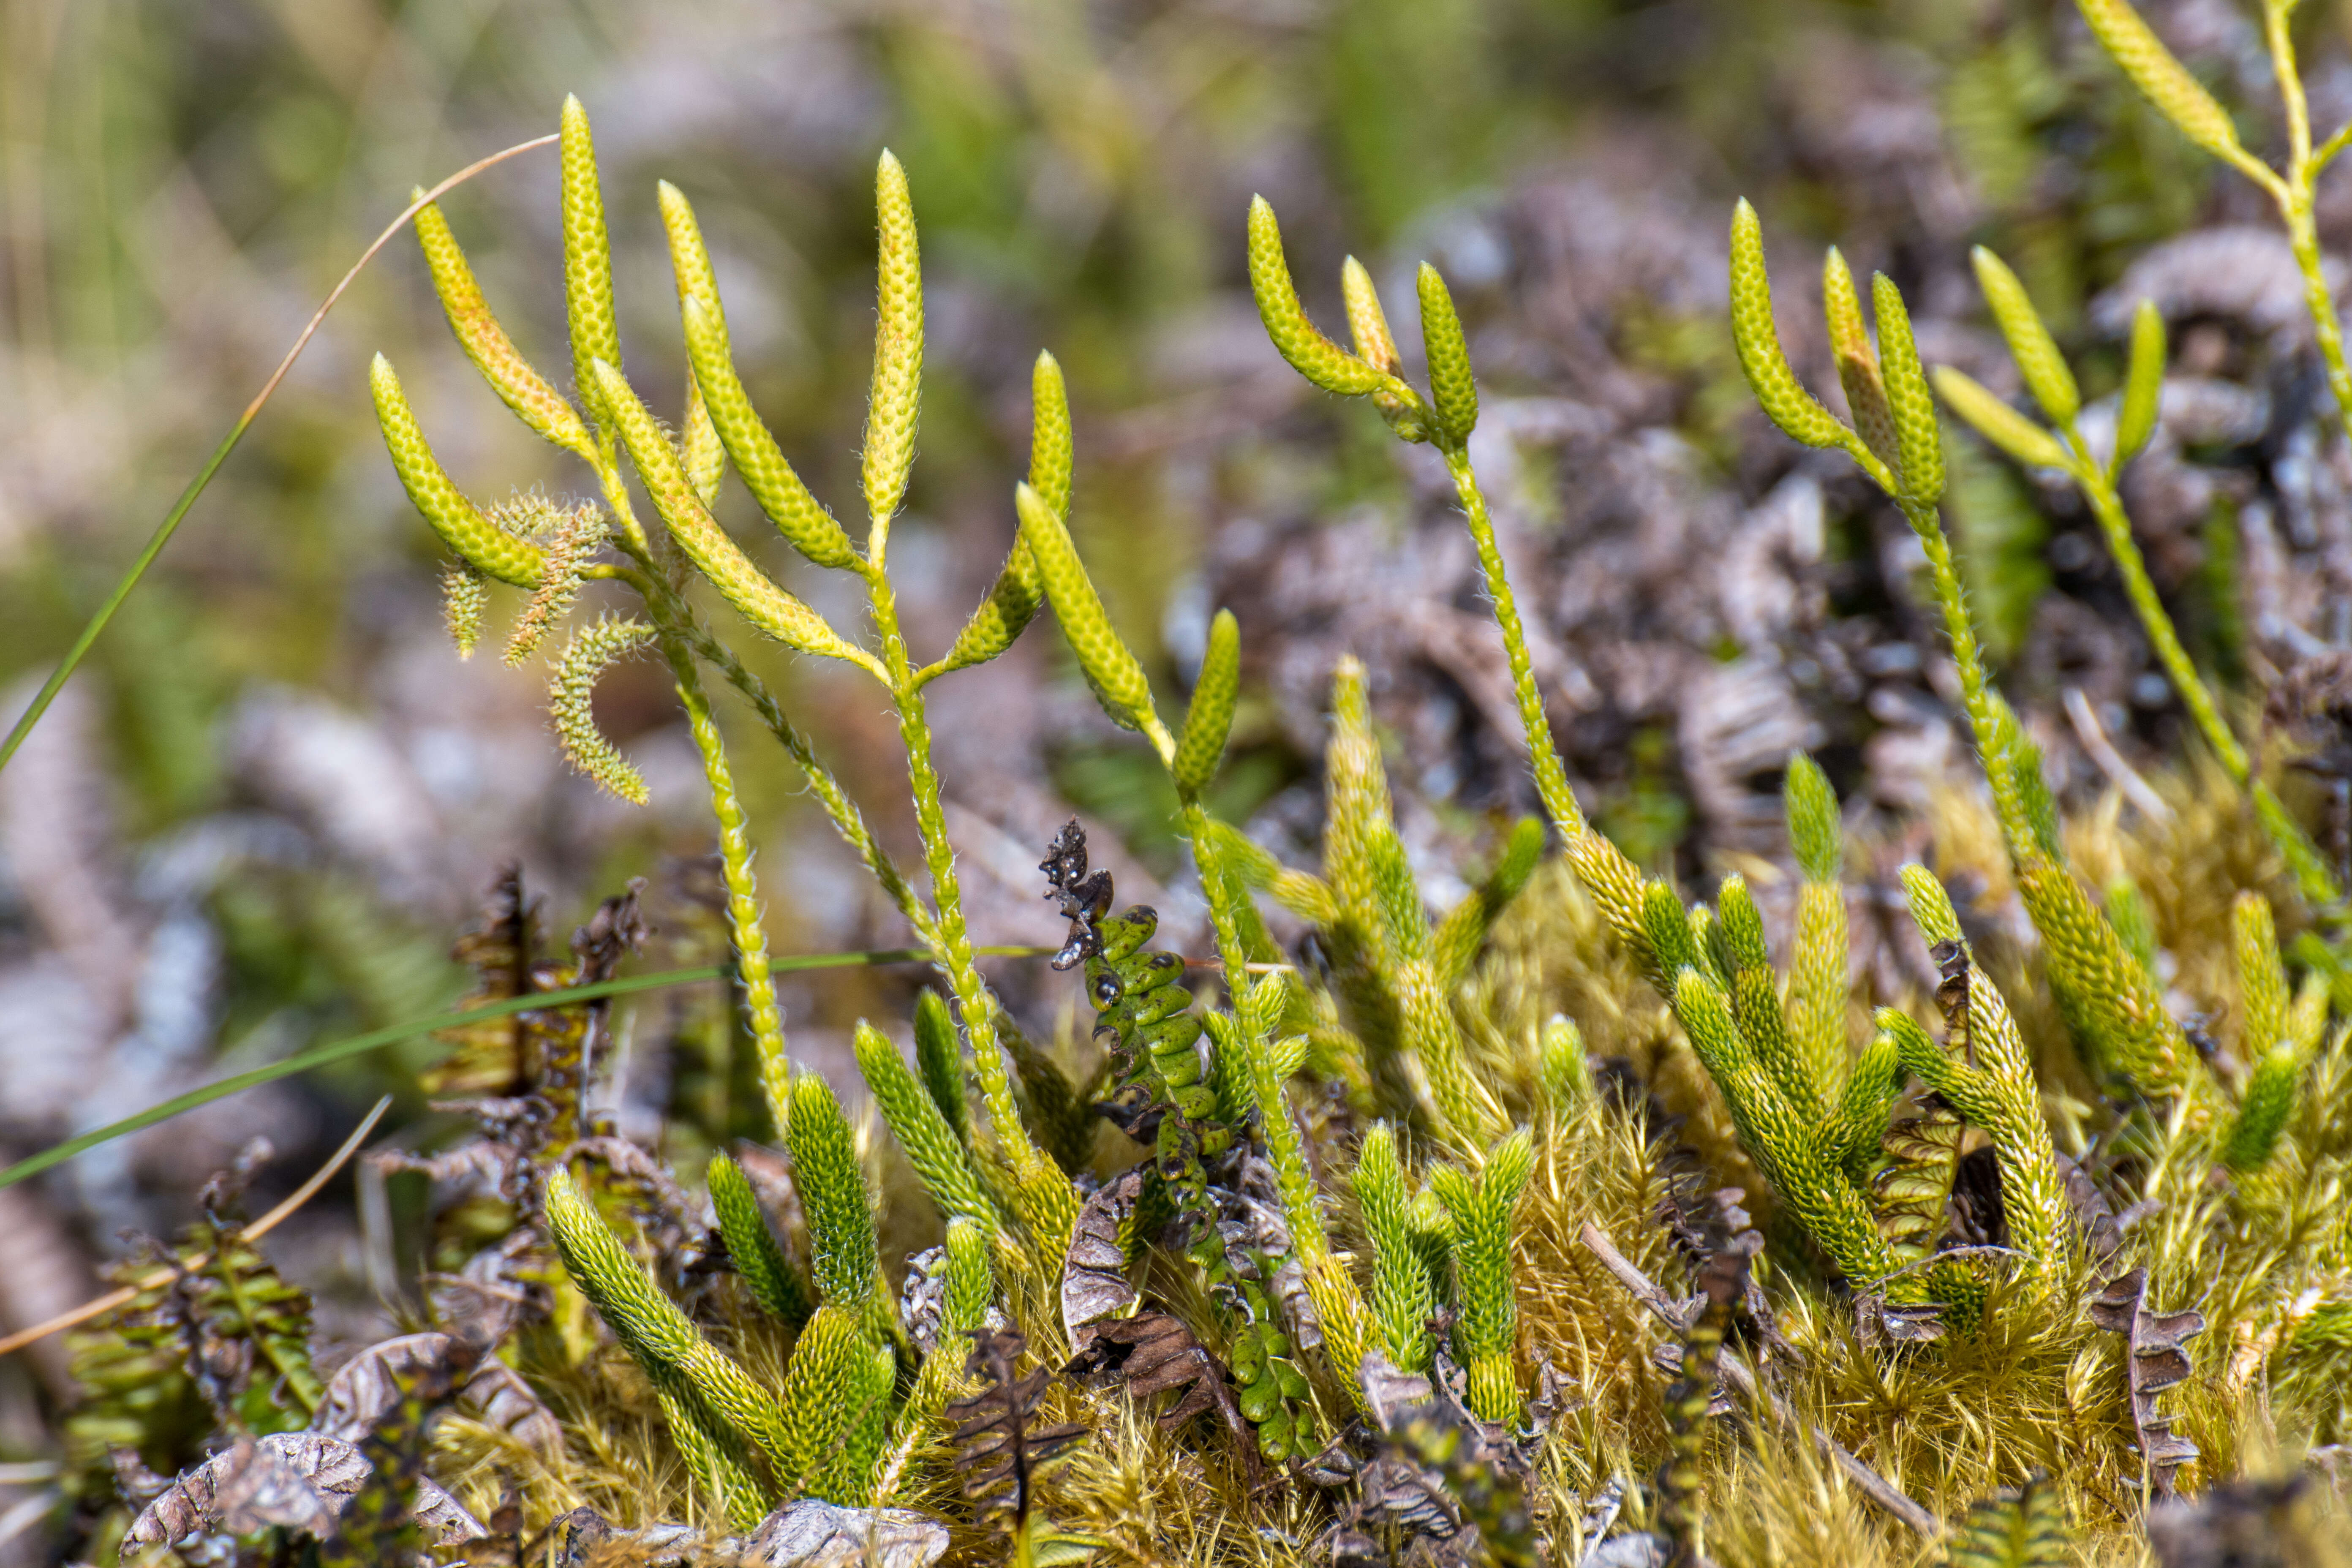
x=2062, y=447
x=682, y=476
x=1207, y=1346
x=1778, y=1057
x=2182, y=100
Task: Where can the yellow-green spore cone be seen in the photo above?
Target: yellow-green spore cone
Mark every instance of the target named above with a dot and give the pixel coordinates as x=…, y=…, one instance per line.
x=1907, y=396
x=2166, y=82
x=714, y=553
x=1210, y=718
x=1310, y=353
x=2029, y=344
x=475, y=539
x=1118, y=679
x=898, y=345
x=587, y=257
x=1758, y=339
x=1453, y=390
x=519, y=386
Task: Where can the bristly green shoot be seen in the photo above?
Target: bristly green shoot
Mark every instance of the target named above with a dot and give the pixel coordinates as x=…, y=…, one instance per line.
x=932, y=1144
x=731, y=1412
x=833, y=1190
x=1403, y=1294
x=773, y=1280
x=1487, y=1309
x=1817, y=980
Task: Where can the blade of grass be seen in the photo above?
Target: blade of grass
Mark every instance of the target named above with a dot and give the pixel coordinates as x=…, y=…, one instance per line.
x=164, y=531
x=393, y=1034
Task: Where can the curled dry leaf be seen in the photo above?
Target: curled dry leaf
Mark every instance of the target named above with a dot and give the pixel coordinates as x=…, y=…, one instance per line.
x=1153, y=1353
x=300, y=1479
x=260, y=1486
x=2156, y=1362
x=1094, y=1271
x=367, y=1389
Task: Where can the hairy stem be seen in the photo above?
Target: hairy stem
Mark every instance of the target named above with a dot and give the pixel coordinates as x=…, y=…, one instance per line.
x=847, y=820
x=1049, y=1203
x=750, y=938
x=1975, y=690
x=2295, y=196
x=2108, y=508
x=1552, y=777
x=2303, y=233
x=2302, y=858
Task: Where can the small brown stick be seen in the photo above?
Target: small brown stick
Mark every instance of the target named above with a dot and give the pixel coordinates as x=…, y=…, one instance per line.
x=254, y=1232
x=2101, y=751
x=1666, y=1310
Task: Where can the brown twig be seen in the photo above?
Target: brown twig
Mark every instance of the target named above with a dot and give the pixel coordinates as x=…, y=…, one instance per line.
x=254, y=1232
x=2101, y=751
x=1877, y=1487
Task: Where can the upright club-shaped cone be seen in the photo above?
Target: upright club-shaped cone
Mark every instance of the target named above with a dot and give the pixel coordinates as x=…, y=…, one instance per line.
x=1451, y=388
x=1211, y=717
x=587, y=260
x=2029, y=344
x=781, y=495
x=898, y=347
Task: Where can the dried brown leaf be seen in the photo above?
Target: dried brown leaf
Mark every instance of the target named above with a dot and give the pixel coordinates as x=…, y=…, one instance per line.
x=2156, y=1362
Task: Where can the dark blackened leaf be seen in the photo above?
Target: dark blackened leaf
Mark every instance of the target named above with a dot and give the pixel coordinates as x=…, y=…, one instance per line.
x=1001, y=1448
x=1153, y=1353
x=2155, y=1363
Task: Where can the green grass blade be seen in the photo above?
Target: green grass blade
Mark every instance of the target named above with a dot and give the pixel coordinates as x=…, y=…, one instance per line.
x=393, y=1034
x=90, y=634
x=170, y=523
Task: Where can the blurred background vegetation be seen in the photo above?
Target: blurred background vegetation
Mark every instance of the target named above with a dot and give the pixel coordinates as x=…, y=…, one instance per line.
x=262, y=814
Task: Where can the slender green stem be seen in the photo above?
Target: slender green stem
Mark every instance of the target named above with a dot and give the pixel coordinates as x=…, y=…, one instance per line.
x=2302, y=858
x=339, y=1050
x=97, y=622
x=743, y=920
x=2281, y=39
x=1049, y=1202
x=847, y=820
x=2108, y=508
x=2295, y=196
x=2303, y=235
x=2326, y=154
x=1551, y=776
x=1975, y=688
x=1209, y=862
x=391, y=1035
